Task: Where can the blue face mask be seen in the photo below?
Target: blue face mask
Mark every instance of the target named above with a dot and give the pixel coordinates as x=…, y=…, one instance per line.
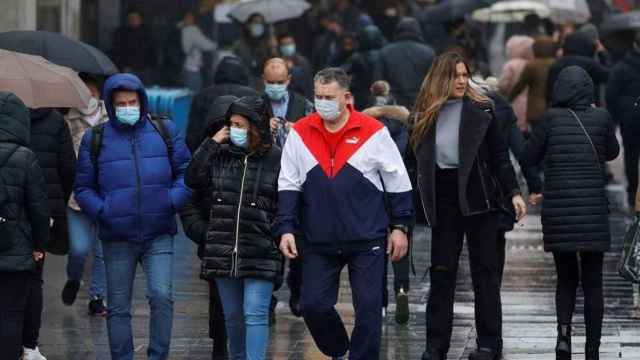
x=128, y=115
x=256, y=29
x=275, y=92
x=239, y=137
x=288, y=50
x=329, y=110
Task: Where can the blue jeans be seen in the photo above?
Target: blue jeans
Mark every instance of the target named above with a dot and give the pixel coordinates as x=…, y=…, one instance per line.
x=121, y=259
x=82, y=237
x=245, y=303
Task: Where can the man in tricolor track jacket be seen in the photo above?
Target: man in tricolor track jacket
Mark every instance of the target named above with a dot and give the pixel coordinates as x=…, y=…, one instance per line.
x=336, y=166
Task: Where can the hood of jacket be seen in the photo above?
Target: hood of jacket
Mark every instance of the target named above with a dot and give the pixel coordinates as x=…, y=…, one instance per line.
x=254, y=109
x=370, y=38
x=579, y=44
x=231, y=70
x=127, y=82
x=39, y=114
x=409, y=29
x=15, y=125
x=520, y=47
x=217, y=114
x=573, y=89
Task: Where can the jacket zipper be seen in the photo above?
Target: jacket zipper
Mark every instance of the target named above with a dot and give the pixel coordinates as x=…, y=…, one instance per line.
x=234, y=259
x=138, y=187
x=484, y=189
x=424, y=209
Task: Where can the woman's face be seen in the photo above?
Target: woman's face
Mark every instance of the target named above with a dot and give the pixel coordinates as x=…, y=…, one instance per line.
x=460, y=81
x=239, y=121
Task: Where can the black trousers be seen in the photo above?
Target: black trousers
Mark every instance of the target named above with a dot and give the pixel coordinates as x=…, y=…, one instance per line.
x=570, y=273
x=13, y=301
x=217, y=330
x=294, y=278
x=446, y=245
x=33, y=308
x=631, y=158
x=401, y=270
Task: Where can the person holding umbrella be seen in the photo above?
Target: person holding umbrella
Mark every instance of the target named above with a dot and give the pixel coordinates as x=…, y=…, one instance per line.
x=254, y=47
x=462, y=179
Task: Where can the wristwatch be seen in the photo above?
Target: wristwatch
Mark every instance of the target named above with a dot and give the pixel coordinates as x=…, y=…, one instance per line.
x=403, y=228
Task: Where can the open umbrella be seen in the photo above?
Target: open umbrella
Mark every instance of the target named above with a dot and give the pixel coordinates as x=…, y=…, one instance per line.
x=40, y=83
x=620, y=22
x=451, y=10
x=511, y=11
x=575, y=11
x=272, y=10
x=60, y=50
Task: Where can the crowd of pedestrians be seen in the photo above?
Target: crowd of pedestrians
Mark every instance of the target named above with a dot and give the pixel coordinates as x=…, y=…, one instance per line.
x=284, y=176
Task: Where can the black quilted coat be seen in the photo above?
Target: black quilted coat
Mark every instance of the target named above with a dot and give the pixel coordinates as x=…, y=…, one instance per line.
x=239, y=191
x=26, y=210
x=575, y=213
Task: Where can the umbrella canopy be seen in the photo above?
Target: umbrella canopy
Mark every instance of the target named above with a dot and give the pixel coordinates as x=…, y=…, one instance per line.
x=620, y=22
x=40, y=83
x=451, y=10
x=59, y=49
x=511, y=11
x=272, y=10
x=575, y=11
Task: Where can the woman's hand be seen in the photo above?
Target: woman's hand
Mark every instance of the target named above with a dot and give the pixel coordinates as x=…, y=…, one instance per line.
x=520, y=207
x=222, y=135
x=535, y=199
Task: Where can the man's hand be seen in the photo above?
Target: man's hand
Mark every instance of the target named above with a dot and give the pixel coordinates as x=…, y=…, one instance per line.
x=222, y=135
x=534, y=199
x=274, y=122
x=398, y=245
x=38, y=255
x=519, y=206
x=288, y=246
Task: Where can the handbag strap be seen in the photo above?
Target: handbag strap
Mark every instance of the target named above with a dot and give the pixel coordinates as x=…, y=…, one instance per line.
x=595, y=151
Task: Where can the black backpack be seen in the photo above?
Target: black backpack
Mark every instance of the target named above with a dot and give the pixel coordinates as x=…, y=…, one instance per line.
x=98, y=132
x=7, y=231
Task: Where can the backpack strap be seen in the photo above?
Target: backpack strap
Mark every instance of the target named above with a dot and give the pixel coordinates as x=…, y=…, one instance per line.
x=158, y=123
x=97, y=133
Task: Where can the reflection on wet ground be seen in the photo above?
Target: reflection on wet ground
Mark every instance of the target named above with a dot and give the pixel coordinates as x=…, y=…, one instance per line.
x=527, y=295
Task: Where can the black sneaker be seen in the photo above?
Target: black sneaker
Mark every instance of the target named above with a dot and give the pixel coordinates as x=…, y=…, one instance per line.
x=70, y=292
x=485, y=354
x=97, y=308
x=402, y=307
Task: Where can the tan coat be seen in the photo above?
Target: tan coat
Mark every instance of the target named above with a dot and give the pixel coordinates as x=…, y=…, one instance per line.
x=78, y=124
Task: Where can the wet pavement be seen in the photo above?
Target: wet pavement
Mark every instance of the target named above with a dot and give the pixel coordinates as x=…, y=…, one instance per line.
x=527, y=295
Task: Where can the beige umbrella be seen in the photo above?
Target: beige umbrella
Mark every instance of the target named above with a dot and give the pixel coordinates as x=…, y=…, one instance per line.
x=40, y=83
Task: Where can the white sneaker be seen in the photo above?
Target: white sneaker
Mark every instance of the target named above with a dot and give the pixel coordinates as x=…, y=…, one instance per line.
x=32, y=354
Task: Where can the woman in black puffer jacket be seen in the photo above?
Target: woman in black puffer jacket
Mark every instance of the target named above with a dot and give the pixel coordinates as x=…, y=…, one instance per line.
x=239, y=252
x=575, y=213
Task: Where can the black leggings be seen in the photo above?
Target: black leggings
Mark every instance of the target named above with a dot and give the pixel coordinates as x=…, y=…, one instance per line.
x=569, y=275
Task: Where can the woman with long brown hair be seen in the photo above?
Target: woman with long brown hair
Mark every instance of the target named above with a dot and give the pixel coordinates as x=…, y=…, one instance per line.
x=464, y=173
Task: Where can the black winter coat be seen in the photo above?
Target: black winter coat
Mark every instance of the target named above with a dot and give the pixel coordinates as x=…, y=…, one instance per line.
x=623, y=93
x=51, y=141
x=237, y=241
x=405, y=62
x=579, y=50
x=575, y=213
x=27, y=210
x=485, y=175
x=231, y=78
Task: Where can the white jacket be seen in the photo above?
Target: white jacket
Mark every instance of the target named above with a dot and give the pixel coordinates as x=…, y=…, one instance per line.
x=194, y=42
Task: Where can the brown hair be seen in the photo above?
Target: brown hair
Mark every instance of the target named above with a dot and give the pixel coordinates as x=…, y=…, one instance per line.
x=544, y=47
x=436, y=90
x=255, y=139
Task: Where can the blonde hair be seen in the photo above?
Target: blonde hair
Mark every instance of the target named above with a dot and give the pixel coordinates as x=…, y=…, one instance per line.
x=436, y=89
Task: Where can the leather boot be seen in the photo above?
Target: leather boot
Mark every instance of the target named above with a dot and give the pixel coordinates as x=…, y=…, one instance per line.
x=563, y=346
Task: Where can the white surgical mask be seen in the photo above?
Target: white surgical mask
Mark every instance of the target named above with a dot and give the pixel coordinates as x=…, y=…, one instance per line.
x=328, y=110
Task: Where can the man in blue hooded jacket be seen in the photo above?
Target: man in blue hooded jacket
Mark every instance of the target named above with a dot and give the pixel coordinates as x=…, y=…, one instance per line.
x=133, y=189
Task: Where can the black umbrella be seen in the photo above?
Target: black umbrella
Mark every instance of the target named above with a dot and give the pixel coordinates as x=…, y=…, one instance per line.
x=60, y=50
x=451, y=10
x=620, y=22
